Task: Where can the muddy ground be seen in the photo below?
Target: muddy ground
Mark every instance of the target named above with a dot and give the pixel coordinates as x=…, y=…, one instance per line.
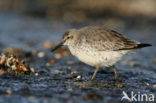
x=67, y=80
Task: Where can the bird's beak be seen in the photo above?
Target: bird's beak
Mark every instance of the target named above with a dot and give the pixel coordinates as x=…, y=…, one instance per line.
x=57, y=46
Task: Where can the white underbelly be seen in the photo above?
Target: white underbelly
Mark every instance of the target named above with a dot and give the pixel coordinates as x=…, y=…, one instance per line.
x=94, y=58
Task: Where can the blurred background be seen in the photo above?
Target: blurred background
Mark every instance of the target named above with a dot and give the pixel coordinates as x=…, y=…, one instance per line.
x=31, y=27
x=101, y=12
x=55, y=16
x=81, y=11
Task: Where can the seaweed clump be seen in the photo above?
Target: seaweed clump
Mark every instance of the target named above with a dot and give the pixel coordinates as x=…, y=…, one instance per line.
x=10, y=64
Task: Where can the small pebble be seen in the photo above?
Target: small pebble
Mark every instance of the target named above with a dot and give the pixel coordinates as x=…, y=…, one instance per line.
x=70, y=62
x=69, y=77
x=70, y=89
x=80, y=86
x=13, y=67
x=31, y=97
x=57, y=55
x=32, y=70
x=41, y=78
x=64, y=52
x=9, y=92
x=36, y=74
x=147, y=84
x=58, y=71
x=52, y=61
x=73, y=71
x=41, y=54
x=47, y=44
x=154, y=85
x=78, y=77
x=48, y=64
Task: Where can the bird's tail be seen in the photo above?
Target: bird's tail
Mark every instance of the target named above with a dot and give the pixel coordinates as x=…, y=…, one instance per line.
x=142, y=45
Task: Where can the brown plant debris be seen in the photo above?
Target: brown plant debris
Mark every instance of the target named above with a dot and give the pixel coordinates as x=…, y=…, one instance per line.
x=61, y=53
x=92, y=96
x=13, y=51
x=12, y=65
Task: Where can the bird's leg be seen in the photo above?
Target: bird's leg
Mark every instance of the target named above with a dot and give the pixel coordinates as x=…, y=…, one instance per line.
x=115, y=72
x=96, y=70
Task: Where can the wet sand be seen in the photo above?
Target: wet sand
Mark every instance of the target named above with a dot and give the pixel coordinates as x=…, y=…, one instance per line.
x=67, y=79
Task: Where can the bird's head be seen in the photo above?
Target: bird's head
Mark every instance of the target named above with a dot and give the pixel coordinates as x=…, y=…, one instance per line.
x=68, y=38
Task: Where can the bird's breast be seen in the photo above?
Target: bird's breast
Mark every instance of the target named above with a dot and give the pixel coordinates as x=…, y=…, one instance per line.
x=93, y=57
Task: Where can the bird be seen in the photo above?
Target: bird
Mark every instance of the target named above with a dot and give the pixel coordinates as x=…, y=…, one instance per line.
x=98, y=46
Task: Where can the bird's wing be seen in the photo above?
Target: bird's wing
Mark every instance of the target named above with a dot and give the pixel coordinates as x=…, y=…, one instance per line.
x=107, y=40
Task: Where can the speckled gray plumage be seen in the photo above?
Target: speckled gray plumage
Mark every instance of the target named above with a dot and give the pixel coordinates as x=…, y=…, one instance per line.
x=98, y=46
x=106, y=40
